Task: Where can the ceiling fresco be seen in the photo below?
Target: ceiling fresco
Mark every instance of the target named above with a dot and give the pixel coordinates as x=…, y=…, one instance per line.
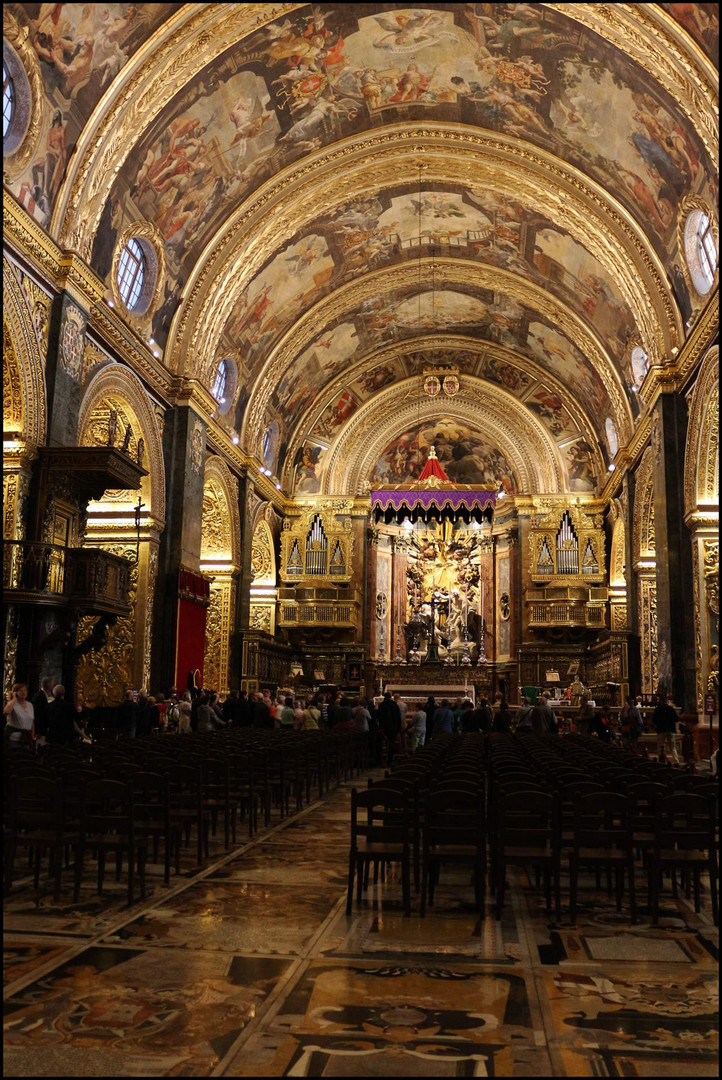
x=547, y=321
x=701, y=21
x=81, y=48
x=321, y=74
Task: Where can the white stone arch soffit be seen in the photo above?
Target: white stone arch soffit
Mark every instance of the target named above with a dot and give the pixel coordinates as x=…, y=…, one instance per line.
x=494, y=412
x=120, y=381
x=701, y=464
x=28, y=356
x=218, y=470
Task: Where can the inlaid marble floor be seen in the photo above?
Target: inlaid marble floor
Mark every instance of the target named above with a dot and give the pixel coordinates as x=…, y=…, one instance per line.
x=250, y=967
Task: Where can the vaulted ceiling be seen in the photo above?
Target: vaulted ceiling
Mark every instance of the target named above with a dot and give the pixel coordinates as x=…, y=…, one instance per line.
x=348, y=195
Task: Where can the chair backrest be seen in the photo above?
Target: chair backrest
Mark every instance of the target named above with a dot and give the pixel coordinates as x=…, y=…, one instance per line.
x=603, y=820
x=107, y=807
x=36, y=802
x=527, y=816
x=454, y=817
x=381, y=815
x=685, y=821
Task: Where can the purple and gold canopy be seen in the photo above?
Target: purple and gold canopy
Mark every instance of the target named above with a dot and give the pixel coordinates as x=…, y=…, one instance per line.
x=433, y=495
x=462, y=501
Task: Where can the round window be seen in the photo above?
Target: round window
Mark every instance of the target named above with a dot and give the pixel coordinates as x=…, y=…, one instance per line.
x=701, y=251
x=8, y=101
x=612, y=439
x=131, y=274
x=16, y=101
x=640, y=365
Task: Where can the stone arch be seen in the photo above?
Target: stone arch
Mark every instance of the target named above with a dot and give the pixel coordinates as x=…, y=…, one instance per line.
x=117, y=387
x=220, y=556
x=617, y=557
x=701, y=465
x=19, y=332
x=221, y=526
x=644, y=536
x=263, y=557
x=486, y=407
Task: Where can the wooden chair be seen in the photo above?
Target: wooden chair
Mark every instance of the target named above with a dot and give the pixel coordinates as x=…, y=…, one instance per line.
x=36, y=822
x=603, y=839
x=107, y=825
x=381, y=832
x=527, y=832
x=454, y=832
x=684, y=840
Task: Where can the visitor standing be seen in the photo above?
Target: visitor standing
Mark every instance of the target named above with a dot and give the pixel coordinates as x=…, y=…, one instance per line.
x=20, y=726
x=664, y=719
x=41, y=702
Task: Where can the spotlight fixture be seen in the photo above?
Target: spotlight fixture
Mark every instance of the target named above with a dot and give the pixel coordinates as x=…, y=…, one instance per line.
x=612, y=467
x=235, y=440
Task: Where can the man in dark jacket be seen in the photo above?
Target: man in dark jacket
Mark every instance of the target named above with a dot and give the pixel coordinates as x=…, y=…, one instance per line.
x=664, y=719
x=443, y=719
x=390, y=722
x=41, y=704
x=61, y=719
x=543, y=719
x=128, y=715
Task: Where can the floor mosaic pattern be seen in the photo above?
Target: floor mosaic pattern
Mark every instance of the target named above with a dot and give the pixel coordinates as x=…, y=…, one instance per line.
x=249, y=966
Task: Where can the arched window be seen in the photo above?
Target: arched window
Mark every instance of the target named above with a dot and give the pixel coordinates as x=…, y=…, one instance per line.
x=220, y=382
x=131, y=274
x=701, y=251
x=8, y=100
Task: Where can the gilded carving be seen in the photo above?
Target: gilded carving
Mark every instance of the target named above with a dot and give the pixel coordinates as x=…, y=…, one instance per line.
x=147, y=231
x=644, y=534
x=105, y=674
x=711, y=576
x=701, y=469
x=214, y=640
x=351, y=459
x=619, y=613
x=17, y=36
x=216, y=540
x=262, y=561
x=260, y=617
x=19, y=330
x=648, y=636
x=120, y=385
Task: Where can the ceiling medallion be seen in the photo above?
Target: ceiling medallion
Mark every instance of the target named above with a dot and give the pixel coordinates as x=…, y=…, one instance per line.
x=432, y=386
x=451, y=385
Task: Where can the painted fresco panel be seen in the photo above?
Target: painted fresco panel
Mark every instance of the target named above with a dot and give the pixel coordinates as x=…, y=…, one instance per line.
x=465, y=454
x=308, y=468
x=549, y=407
x=701, y=21
x=81, y=48
x=579, y=463
x=318, y=75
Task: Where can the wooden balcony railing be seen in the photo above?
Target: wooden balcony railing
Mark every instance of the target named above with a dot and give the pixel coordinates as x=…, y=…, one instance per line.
x=565, y=613
x=88, y=579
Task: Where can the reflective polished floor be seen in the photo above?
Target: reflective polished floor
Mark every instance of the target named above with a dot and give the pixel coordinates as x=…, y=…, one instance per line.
x=251, y=967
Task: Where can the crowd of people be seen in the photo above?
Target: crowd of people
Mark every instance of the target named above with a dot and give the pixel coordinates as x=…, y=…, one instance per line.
x=394, y=725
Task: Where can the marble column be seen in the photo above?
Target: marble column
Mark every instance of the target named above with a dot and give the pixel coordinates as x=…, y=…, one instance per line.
x=674, y=573
x=371, y=622
x=184, y=452
x=399, y=596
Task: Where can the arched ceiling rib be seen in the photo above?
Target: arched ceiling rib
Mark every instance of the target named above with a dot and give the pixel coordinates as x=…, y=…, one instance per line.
x=589, y=370
x=362, y=378
x=488, y=417
x=539, y=191
x=283, y=151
